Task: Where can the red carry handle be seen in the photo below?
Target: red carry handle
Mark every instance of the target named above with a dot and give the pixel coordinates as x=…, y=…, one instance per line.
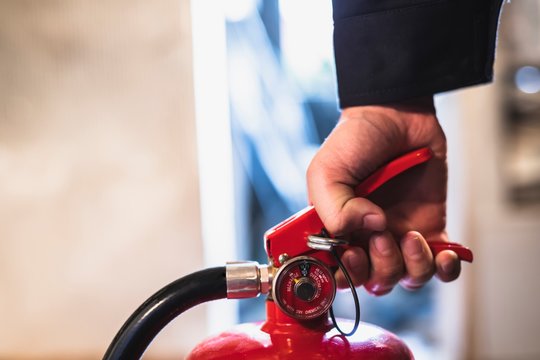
x=392, y=169
x=396, y=167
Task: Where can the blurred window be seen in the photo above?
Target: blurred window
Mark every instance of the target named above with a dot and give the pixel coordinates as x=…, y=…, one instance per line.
x=283, y=104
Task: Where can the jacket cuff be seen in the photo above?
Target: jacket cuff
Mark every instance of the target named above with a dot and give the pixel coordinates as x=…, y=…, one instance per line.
x=402, y=53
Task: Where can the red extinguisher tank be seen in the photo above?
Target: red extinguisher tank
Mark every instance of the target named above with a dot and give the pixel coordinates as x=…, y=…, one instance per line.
x=281, y=337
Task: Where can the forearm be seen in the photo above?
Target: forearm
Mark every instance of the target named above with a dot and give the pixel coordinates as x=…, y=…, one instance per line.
x=392, y=50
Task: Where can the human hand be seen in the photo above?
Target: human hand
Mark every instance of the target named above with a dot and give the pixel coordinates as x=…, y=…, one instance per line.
x=393, y=227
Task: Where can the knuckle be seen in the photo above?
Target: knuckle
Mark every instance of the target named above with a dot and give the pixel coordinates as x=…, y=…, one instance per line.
x=421, y=274
x=390, y=272
x=312, y=170
x=388, y=278
x=421, y=279
x=356, y=280
x=334, y=223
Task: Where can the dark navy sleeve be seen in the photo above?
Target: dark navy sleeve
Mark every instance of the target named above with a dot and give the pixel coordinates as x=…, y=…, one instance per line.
x=393, y=50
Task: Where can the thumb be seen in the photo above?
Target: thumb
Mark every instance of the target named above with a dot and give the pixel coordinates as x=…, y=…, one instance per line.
x=340, y=210
x=335, y=170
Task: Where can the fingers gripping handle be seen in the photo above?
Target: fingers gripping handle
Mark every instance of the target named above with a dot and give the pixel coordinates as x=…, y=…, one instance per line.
x=290, y=237
x=396, y=167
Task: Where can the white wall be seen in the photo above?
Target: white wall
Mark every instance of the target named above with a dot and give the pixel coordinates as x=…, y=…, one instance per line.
x=505, y=291
x=505, y=294
x=99, y=200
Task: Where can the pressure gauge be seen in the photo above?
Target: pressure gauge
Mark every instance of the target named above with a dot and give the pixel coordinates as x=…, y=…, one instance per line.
x=304, y=288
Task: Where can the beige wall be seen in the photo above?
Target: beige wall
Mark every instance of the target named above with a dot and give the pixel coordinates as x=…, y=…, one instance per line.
x=505, y=292
x=98, y=179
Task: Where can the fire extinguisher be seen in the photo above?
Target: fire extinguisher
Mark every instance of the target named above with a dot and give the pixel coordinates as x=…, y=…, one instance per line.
x=300, y=288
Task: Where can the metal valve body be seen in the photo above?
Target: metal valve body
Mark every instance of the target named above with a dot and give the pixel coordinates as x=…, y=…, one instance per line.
x=304, y=288
x=297, y=325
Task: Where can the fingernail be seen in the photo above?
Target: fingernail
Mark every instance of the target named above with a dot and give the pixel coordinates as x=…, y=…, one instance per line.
x=383, y=245
x=347, y=261
x=409, y=284
x=378, y=290
x=382, y=292
x=447, y=267
x=413, y=248
x=374, y=222
x=352, y=263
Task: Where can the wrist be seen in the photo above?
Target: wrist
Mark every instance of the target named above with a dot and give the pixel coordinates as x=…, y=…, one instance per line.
x=420, y=105
x=405, y=125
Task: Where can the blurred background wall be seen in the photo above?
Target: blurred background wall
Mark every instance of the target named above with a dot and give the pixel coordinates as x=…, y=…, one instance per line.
x=99, y=203
x=501, y=135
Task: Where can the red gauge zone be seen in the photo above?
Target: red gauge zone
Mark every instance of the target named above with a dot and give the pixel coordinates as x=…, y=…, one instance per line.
x=304, y=288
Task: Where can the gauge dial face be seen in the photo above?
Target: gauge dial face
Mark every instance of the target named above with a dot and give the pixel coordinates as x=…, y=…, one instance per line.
x=304, y=288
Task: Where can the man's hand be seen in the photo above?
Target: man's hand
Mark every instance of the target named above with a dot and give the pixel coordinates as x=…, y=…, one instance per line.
x=391, y=230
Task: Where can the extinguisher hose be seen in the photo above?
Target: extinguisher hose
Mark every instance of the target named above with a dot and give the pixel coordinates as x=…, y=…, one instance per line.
x=161, y=308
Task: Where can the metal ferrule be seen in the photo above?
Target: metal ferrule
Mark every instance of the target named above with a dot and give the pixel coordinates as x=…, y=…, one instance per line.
x=247, y=279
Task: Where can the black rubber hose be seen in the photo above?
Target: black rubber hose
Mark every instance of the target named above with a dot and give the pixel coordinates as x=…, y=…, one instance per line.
x=162, y=307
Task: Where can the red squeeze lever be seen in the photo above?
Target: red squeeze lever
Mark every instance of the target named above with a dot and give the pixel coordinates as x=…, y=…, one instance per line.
x=282, y=239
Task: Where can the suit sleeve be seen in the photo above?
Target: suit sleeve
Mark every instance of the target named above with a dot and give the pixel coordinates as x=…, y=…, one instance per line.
x=393, y=50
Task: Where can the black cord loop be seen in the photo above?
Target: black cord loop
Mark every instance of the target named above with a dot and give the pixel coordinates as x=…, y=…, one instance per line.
x=355, y=298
